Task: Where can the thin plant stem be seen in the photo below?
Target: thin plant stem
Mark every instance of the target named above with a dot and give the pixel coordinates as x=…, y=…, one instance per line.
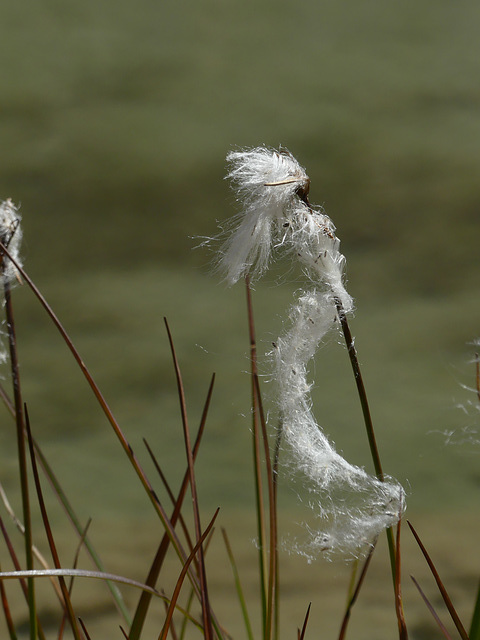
x=23, y=584
x=183, y=573
x=64, y=501
x=144, y=601
x=276, y=460
x=238, y=585
x=441, y=587
x=272, y=571
x=207, y=620
x=51, y=542
x=7, y=612
x=352, y=352
x=301, y=634
x=356, y=591
x=259, y=502
x=22, y=457
x=402, y=627
x=435, y=615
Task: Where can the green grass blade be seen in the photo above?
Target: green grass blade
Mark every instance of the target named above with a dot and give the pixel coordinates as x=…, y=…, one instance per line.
x=238, y=586
x=475, y=624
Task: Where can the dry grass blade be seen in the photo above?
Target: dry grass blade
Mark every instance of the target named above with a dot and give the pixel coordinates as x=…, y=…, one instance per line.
x=111, y=419
x=6, y=610
x=441, y=587
x=181, y=578
x=23, y=584
x=151, y=581
x=36, y=552
x=75, y=565
x=206, y=614
x=432, y=610
x=81, y=573
x=51, y=542
x=173, y=631
x=272, y=572
x=166, y=484
x=64, y=501
x=21, y=449
x=353, y=599
x=7, y=402
x=257, y=459
x=84, y=628
x=402, y=627
x=301, y=634
x=362, y=394
x=185, y=621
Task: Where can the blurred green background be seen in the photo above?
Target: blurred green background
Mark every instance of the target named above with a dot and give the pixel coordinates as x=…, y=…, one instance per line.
x=115, y=121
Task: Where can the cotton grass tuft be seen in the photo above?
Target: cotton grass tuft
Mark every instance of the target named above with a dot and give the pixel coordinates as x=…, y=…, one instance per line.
x=11, y=237
x=352, y=507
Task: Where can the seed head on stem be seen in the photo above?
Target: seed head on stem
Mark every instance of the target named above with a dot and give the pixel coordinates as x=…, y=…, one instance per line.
x=272, y=188
x=11, y=237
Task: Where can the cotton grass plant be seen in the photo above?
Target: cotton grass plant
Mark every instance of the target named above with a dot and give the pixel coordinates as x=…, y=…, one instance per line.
x=277, y=217
x=352, y=507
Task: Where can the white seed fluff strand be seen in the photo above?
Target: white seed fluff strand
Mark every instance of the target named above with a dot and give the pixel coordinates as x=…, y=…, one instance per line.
x=265, y=182
x=11, y=237
x=353, y=506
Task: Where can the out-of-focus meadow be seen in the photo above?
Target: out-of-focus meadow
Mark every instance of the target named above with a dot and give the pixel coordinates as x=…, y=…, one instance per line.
x=115, y=119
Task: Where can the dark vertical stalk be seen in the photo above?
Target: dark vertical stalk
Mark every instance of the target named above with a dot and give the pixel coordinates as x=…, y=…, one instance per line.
x=352, y=352
x=22, y=457
x=272, y=565
x=260, y=507
x=207, y=621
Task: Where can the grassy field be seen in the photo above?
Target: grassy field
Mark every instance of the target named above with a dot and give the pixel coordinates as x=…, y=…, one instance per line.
x=115, y=121
x=413, y=366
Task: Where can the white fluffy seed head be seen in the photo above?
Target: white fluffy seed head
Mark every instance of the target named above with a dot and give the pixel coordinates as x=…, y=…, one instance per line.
x=272, y=189
x=270, y=186
x=11, y=237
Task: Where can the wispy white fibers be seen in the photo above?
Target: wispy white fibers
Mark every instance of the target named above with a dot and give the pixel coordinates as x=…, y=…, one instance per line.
x=265, y=182
x=352, y=506
x=10, y=236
